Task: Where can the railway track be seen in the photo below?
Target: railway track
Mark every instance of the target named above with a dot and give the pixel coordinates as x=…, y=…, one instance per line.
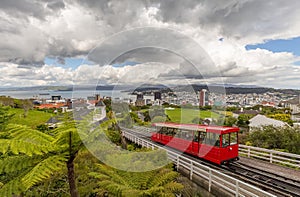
x=270, y=182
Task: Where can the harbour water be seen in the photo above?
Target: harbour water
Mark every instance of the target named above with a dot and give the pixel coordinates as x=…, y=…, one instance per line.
x=39, y=94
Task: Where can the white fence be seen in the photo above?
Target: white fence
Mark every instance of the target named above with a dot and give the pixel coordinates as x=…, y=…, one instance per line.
x=270, y=155
x=250, y=151
x=195, y=169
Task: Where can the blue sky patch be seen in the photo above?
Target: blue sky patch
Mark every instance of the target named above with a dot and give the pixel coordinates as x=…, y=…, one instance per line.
x=290, y=45
x=66, y=62
x=126, y=63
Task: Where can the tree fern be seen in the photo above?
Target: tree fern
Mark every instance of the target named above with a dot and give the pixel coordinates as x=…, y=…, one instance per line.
x=35, y=155
x=43, y=170
x=4, y=145
x=17, y=163
x=152, y=183
x=13, y=187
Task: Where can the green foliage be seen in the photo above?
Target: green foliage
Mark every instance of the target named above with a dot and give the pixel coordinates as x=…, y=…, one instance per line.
x=42, y=128
x=230, y=121
x=33, y=156
x=27, y=158
x=243, y=120
x=161, y=182
x=197, y=120
x=114, y=136
x=5, y=116
x=43, y=170
x=6, y=101
x=107, y=103
x=270, y=137
x=159, y=119
x=282, y=117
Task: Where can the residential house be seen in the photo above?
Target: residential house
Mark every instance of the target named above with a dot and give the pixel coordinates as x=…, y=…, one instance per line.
x=260, y=120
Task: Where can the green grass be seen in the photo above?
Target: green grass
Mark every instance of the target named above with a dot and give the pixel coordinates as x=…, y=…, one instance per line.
x=33, y=119
x=187, y=115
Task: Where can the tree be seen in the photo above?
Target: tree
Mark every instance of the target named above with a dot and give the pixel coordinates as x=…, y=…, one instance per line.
x=26, y=105
x=197, y=120
x=30, y=156
x=159, y=119
x=283, y=117
x=159, y=182
x=5, y=116
x=243, y=120
x=287, y=138
x=229, y=121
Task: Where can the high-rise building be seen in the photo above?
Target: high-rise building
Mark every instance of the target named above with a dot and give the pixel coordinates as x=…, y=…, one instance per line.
x=203, y=98
x=139, y=96
x=157, y=95
x=140, y=101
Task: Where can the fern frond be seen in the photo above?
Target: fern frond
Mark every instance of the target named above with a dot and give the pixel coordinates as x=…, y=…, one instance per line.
x=164, y=177
x=174, y=186
x=4, y=145
x=16, y=163
x=63, y=137
x=12, y=188
x=24, y=133
x=29, y=148
x=43, y=170
x=108, y=171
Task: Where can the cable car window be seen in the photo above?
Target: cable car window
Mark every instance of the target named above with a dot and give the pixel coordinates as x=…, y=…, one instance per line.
x=233, y=138
x=170, y=132
x=225, y=140
x=187, y=135
x=202, y=136
x=217, y=142
x=164, y=130
x=196, y=136
x=211, y=139
x=178, y=133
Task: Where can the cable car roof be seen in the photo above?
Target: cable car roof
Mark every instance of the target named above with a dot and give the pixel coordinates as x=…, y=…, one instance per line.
x=193, y=127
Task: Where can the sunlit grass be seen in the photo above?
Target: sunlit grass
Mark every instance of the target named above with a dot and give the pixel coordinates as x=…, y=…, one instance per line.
x=33, y=118
x=181, y=115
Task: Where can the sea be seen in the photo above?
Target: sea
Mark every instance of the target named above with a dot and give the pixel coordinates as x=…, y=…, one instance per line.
x=46, y=94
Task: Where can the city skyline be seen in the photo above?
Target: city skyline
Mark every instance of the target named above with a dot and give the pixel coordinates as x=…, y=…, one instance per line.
x=52, y=42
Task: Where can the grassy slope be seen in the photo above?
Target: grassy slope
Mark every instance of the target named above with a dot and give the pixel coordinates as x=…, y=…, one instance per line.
x=33, y=118
x=187, y=115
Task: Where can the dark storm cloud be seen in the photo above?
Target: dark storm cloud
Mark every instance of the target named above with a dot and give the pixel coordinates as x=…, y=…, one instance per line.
x=23, y=8
x=56, y=4
x=234, y=18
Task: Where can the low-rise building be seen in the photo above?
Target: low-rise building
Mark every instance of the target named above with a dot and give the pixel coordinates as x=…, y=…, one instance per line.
x=260, y=120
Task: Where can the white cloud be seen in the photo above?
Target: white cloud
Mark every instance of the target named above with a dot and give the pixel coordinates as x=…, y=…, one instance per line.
x=71, y=28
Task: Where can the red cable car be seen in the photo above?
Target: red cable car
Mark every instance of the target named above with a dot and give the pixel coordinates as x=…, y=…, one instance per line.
x=213, y=143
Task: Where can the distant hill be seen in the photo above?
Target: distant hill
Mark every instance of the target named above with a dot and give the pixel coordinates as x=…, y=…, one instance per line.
x=230, y=89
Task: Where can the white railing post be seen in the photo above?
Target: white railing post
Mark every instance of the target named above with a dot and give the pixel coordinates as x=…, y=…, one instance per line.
x=237, y=188
x=191, y=170
x=249, y=152
x=177, y=163
x=209, y=181
x=271, y=157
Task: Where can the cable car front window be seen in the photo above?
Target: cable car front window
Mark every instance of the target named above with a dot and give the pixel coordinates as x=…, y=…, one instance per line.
x=233, y=138
x=225, y=140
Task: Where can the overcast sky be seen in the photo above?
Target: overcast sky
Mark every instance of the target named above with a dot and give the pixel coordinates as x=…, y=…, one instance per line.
x=65, y=42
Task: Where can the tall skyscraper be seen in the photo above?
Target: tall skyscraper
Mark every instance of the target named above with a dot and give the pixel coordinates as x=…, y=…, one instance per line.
x=203, y=98
x=157, y=95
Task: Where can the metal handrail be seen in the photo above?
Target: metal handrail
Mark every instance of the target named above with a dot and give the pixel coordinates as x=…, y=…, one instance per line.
x=270, y=155
x=231, y=185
